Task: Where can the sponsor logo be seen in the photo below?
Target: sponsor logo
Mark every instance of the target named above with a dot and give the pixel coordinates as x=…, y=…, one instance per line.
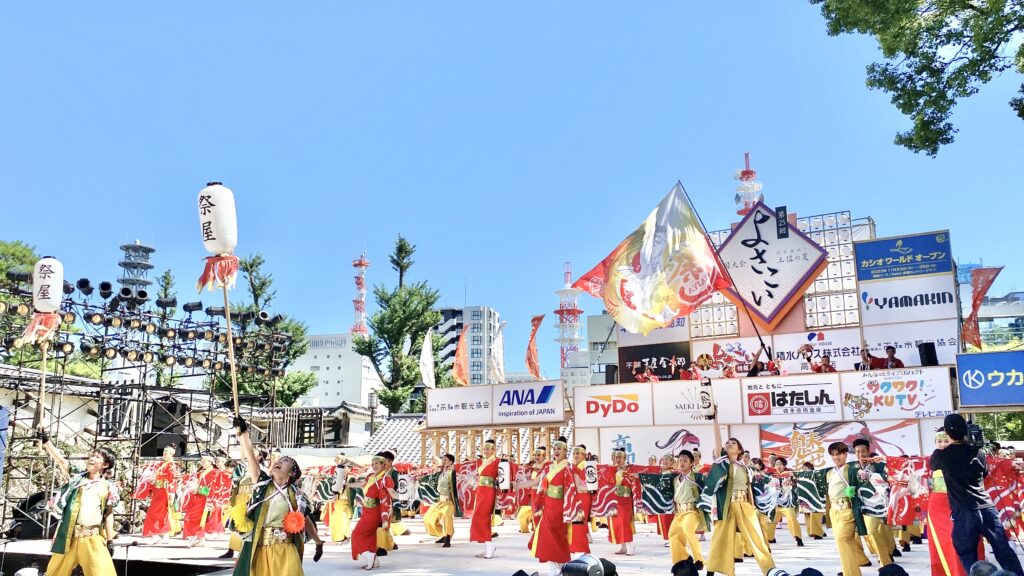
x=613, y=404
x=526, y=397
x=790, y=402
x=906, y=300
x=759, y=404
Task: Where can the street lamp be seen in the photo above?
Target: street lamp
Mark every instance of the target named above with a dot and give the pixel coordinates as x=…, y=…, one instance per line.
x=372, y=403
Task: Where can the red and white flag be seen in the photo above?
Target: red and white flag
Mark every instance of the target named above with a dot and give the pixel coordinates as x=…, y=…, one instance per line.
x=460, y=369
x=981, y=281
x=532, y=361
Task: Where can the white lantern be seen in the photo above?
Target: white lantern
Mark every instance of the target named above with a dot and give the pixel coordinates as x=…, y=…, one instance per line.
x=504, y=475
x=404, y=487
x=590, y=475
x=47, y=285
x=707, y=399
x=217, y=221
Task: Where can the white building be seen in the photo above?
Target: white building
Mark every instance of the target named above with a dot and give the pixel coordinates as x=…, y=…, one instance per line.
x=342, y=375
x=603, y=346
x=578, y=372
x=482, y=323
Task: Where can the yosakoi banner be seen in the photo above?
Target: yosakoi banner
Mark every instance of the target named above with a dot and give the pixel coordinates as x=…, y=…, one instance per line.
x=808, y=442
x=663, y=270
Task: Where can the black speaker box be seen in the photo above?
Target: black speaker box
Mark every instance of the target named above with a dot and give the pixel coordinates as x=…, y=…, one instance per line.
x=153, y=444
x=928, y=355
x=611, y=374
x=169, y=417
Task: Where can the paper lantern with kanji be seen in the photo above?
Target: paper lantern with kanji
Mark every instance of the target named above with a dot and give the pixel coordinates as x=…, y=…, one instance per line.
x=217, y=221
x=47, y=285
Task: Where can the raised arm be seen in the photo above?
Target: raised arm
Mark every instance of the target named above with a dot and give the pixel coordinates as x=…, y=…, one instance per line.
x=53, y=452
x=242, y=429
x=719, y=446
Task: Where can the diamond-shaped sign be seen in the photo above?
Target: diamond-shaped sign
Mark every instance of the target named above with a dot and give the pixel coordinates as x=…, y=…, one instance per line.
x=769, y=274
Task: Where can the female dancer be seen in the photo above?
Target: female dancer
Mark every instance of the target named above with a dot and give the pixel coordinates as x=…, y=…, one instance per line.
x=377, y=495
x=627, y=493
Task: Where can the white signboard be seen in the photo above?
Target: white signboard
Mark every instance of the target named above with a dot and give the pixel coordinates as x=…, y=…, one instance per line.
x=712, y=356
x=527, y=403
x=679, y=402
x=906, y=337
x=791, y=398
x=640, y=443
x=897, y=394
x=842, y=345
x=910, y=299
x=461, y=406
x=677, y=331
x=613, y=405
x=769, y=272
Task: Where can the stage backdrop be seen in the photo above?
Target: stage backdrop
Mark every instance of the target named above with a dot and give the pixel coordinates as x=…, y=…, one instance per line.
x=896, y=394
x=809, y=442
x=640, y=443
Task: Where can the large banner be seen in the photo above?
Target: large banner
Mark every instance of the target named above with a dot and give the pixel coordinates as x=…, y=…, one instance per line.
x=902, y=256
x=991, y=379
x=640, y=443
x=896, y=394
x=842, y=345
x=677, y=331
x=712, y=356
x=613, y=405
x=791, y=398
x=654, y=362
x=682, y=403
x=906, y=337
x=912, y=299
x=528, y=403
x=808, y=442
x=459, y=406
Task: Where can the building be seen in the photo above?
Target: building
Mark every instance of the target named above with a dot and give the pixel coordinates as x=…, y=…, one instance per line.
x=482, y=323
x=603, y=348
x=1000, y=319
x=342, y=375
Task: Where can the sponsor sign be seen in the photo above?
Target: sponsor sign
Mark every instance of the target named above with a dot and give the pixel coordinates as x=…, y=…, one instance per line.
x=617, y=404
x=990, y=379
x=684, y=402
x=640, y=443
x=654, y=362
x=791, y=398
x=461, y=406
x=527, y=403
x=897, y=394
x=769, y=273
x=906, y=337
x=712, y=356
x=808, y=441
x=911, y=299
x=903, y=256
x=677, y=331
x=842, y=345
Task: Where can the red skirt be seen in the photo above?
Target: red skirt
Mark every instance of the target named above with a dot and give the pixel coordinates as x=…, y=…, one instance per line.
x=483, y=508
x=193, y=525
x=550, y=541
x=620, y=526
x=944, y=559
x=364, y=535
x=578, y=532
x=664, y=523
x=158, y=516
x=215, y=521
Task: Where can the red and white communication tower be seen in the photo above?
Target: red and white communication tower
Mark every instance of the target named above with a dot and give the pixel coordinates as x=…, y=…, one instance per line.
x=359, y=325
x=569, y=334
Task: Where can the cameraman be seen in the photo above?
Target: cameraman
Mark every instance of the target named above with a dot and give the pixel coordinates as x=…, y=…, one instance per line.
x=964, y=468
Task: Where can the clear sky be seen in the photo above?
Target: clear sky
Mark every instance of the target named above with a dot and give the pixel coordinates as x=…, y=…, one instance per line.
x=502, y=138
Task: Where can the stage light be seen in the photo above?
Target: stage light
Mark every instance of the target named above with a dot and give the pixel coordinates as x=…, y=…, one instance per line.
x=68, y=317
x=189, y=334
x=278, y=347
x=129, y=354
x=19, y=310
x=277, y=319
x=277, y=372
x=222, y=338
x=248, y=369
x=266, y=372
x=106, y=289
x=262, y=318
x=186, y=361
x=148, y=357
x=167, y=333
x=113, y=321
x=207, y=363
x=65, y=347
x=150, y=328
x=191, y=307
x=218, y=365
x=69, y=288
x=166, y=303
x=141, y=296
x=125, y=293
x=246, y=316
x=89, y=348
x=110, y=353
x=209, y=335
x=134, y=324
x=168, y=360
x=266, y=346
x=215, y=311
x=238, y=341
x=114, y=303
x=250, y=345
x=16, y=276
x=84, y=286
x=94, y=318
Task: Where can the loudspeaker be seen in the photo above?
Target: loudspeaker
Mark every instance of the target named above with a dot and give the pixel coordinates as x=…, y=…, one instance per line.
x=928, y=355
x=30, y=517
x=153, y=444
x=169, y=417
x=611, y=374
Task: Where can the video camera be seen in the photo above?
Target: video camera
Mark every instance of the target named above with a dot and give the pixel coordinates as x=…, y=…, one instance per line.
x=975, y=437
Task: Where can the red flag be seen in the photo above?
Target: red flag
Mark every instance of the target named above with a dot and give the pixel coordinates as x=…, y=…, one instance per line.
x=981, y=281
x=532, y=361
x=460, y=369
x=665, y=269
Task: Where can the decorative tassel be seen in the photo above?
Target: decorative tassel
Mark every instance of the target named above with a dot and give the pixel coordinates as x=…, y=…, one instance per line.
x=41, y=328
x=294, y=522
x=239, y=518
x=220, y=271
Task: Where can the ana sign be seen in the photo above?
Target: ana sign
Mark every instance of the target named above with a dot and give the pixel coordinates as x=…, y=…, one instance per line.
x=528, y=403
x=991, y=379
x=619, y=405
x=902, y=256
x=908, y=300
x=791, y=398
x=897, y=394
x=461, y=406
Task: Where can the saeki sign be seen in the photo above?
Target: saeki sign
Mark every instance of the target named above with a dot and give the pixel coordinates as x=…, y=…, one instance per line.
x=791, y=398
x=769, y=273
x=896, y=394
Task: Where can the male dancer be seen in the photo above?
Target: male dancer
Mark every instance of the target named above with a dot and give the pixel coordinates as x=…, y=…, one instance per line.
x=682, y=534
x=238, y=503
x=440, y=517
x=484, y=497
x=529, y=500
x=847, y=519
x=766, y=498
x=788, y=501
x=874, y=495
x=86, y=506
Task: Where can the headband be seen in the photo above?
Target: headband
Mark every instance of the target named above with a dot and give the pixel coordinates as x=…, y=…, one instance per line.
x=559, y=444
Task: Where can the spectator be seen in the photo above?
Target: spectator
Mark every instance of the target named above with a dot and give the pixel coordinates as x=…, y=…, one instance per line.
x=964, y=468
x=875, y=363
x=824, y=366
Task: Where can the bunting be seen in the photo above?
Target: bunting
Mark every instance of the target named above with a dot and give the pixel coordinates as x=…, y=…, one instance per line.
x=532, y=360
x=460, y=369
x=981, y=280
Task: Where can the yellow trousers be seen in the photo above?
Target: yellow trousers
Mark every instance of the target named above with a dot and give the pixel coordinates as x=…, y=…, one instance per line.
x=908, y=532
x=398, y=528
x=90, y=553
x=767, y=526
x=682, y=537
x=235, y=542
x=275, y=560
x=440, y=519
x=525, y=517
x=792, y=522
x=385, y=540
x=844, y=529
x=814, y=527
x=341, y=521
x=742, y=515
x=880, y=537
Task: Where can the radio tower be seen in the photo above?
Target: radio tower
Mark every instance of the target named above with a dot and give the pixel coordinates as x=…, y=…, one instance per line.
x=136, y=266
x=568, y=318
x=359, y=325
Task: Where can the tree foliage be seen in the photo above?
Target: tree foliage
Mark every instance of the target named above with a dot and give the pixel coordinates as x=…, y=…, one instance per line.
x=936, y=53
x=403, y=316
x=1002, y=426
x=164, y=289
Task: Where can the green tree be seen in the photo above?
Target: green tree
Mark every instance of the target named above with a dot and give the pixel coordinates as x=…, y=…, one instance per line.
x=18, y=257
x=1001, y=426
x=403, y=315
x=936, y=52
x=165, y=289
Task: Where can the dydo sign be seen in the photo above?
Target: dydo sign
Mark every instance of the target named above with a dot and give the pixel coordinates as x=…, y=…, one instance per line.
x=619, y=405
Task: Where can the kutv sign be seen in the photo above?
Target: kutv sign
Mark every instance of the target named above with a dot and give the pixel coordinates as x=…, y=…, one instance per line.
x=614, y=405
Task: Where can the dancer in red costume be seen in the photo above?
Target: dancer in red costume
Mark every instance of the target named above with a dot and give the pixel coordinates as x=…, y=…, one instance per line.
x=559, y=508
x=579, y=540
x=377, y=497
x=157, y=483
x=483, y=501
x=627, y=492
x=195, y=507
x=944, y=560
x=664, y=521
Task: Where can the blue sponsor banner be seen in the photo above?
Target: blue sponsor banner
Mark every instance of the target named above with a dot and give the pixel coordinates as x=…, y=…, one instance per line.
x=902, y=256
x=990, y=379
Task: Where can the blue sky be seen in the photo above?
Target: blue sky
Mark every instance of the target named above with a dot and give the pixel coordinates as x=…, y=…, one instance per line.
x=502, y=138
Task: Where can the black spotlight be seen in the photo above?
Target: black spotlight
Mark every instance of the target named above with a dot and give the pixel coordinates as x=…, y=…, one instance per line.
x=262, y=317
x=147, y=357
x=89, y=348
x=134, y=324
x=247, y=316
x=65, y=347
x=84, y=286
x=186, y=361
x=15, y=276
x=129, y=354
x=150, y=328
x=141, y=296
x=114, y=303
x=106, y=289
x=68, y=317
x=19, y=309
x=94, y=318
x=189, y=334
x=168, y=360
x=167, y=333
x=277, y=372
x=207, y=363
x=166, y=303
x=126, y=294
x=277, y=319
x=110, y=353
x=191, y=307
x=69, y=288
x=113, y=321
x=215, y=311
x=208, y=335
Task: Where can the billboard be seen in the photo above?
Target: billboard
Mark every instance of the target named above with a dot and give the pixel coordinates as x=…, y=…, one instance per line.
x=789, y=398
x=677, y=331
x=642, y=443
x=527, y=403
x=991, y=379
x=897, y=394
x=653, y=362
x=841, y=344
x=808, y=442
x=905, y=337
x=913, y=299
x=613, y=405
x=460, y=406
x=681, y=403
x=903, y=256
x=712, y=356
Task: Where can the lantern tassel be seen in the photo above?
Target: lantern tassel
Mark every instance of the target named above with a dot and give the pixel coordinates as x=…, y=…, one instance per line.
x=220, y=271
x=41, y=328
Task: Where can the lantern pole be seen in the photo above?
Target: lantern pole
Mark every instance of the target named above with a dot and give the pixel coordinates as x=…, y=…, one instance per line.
x=43, y=346
x=231, y=350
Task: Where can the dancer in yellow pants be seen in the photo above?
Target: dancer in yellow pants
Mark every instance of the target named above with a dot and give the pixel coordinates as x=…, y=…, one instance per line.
x=682, y=534
x=440, y=518
x=847, y=519
x=874, y=495
x=788, y=499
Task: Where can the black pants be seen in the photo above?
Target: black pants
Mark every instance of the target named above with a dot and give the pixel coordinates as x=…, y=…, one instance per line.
x=969, y=526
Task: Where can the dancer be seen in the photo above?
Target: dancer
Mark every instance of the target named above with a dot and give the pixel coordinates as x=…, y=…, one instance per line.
x=275, y=517
x=682, y=534
x=874, y=496
x=847, y=519
x=810, y=494
x=157, y=484
x=86, y=507
x=195, y=506
x=627, y=493
x=238, y=504
x=339, y=509
x=440, y=518
x=580, y=539
x=766, y=499
x=529, y=500
x=788, y=501
x=398, y=528
x=378, y=492
x=484, y=497
x=664, y=521
x=559, y=507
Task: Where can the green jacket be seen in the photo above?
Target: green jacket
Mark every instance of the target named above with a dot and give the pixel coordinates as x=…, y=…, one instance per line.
x=453, y=492
x=258, y=514
x=853, y=480
x=67, y=505
x=701, y=481
x=718, y=488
